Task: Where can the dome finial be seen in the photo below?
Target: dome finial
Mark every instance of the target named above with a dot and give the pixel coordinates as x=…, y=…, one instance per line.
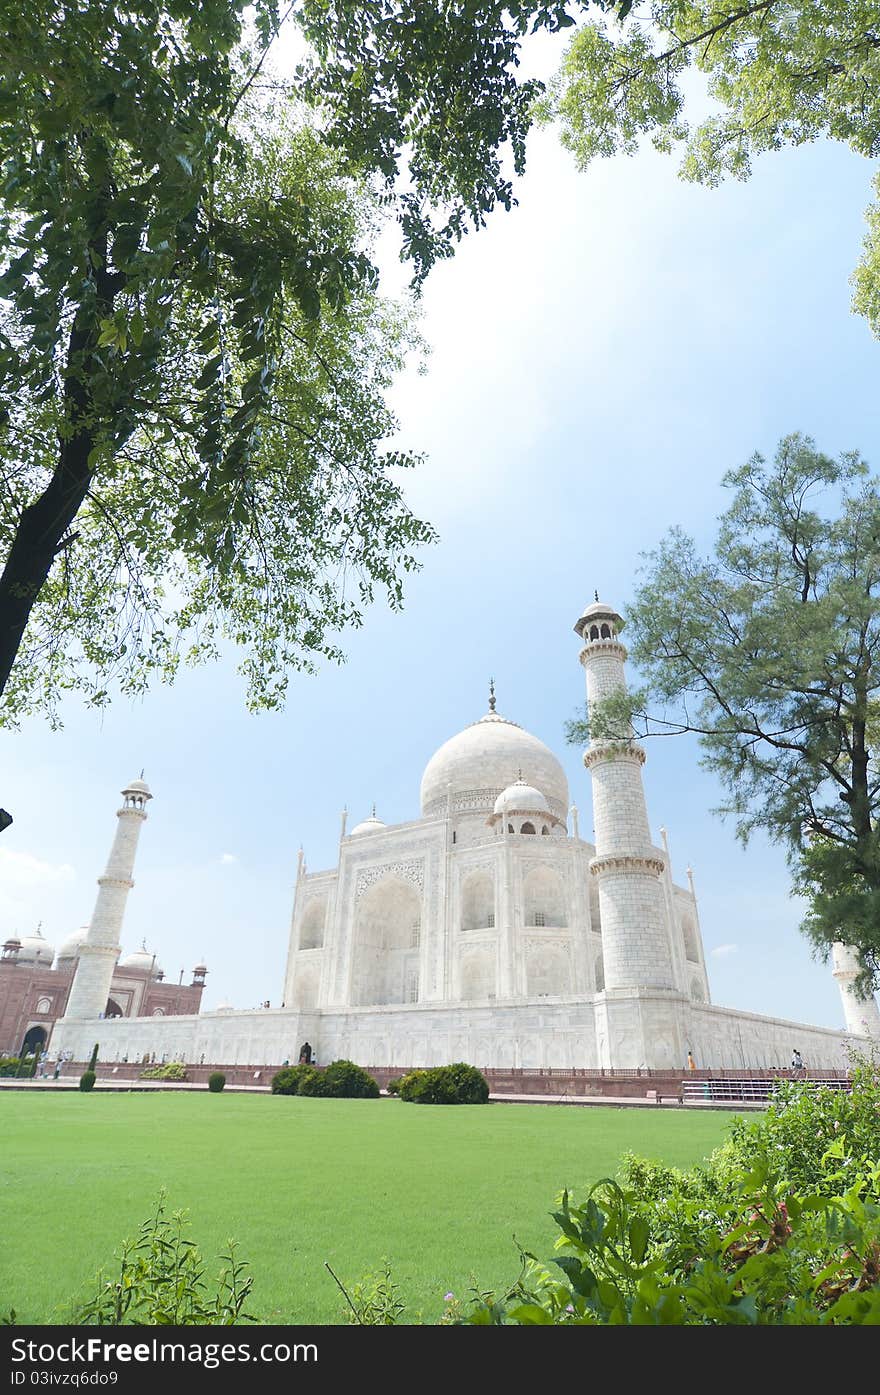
x=596, y=596
x=373, y=810
x=491, y=694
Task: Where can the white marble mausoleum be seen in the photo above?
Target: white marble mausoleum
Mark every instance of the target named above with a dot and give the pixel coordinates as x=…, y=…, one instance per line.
x=487, y=930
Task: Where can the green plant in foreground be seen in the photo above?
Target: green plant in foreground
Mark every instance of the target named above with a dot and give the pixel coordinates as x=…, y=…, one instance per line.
x=216, y=1081
x=87, y=1080
x=160, y=1280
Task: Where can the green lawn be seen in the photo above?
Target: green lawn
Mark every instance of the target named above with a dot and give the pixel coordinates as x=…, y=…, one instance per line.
x=439, y=1191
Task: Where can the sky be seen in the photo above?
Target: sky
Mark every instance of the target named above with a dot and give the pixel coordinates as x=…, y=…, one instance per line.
x=600, y=356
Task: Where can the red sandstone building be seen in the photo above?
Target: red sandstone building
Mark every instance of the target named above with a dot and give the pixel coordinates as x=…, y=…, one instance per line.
x=33, y=993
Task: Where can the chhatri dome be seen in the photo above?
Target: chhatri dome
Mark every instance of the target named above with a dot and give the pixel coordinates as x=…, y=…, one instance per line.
x=520, y=797
x=142, y=960
x=479, y=763
x=370, y=825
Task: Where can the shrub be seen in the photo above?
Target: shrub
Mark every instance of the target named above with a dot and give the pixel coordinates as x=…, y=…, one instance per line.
x=94, y=1060
x=339, y=1080
x=172, y=1070
x=392, y=1087
x=311, y=1082
x=216, y=1081
x=160, y=1279
x=286, y=1081
x=11, y=1065
x=345, y=1080
x=408, y=1085
x=87, y=1080
x=455, y=1084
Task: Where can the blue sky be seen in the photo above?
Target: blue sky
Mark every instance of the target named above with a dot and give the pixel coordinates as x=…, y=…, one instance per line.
x=600, y=356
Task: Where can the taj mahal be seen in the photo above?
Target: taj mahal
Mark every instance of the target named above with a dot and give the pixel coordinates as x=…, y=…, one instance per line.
x=485, y=930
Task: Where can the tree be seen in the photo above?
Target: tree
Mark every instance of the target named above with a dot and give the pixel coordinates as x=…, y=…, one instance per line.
x=193, y=353
x=769, y=649
x=780, y=72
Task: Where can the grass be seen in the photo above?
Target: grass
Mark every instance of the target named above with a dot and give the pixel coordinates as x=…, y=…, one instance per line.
x=438, y=1191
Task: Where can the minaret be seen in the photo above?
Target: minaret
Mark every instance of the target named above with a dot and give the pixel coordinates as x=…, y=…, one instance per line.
x=635, y=944
x=861, y=1015
x=100, y=949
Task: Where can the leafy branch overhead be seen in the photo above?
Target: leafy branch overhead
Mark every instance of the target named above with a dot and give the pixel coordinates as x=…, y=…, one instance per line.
x=769, y=650
x=778, y=73
x=193, y=352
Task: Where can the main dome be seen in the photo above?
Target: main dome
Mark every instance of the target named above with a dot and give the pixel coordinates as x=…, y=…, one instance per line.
x=484, y=759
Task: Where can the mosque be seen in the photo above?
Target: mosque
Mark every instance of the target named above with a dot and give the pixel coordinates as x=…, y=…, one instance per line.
x=485, y=930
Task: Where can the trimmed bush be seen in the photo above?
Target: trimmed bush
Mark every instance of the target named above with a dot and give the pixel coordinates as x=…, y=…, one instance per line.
x=172, y=1070
x=87, y=1080
x=216, y=1081
x=311, y=1082
x=12, y=1065
x=286, y=1081
x=344, y=1080
x=339, y=1080
x=455, y=1084
x=393, y=1085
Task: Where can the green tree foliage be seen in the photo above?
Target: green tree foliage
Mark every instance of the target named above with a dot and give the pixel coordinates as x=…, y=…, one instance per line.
x=780, y=72
x=216, y=1082
x=193, y=353
x=769, y=649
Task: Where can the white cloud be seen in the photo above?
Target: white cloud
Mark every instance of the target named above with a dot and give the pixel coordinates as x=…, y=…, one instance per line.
x=228, y=858
x=19, y=869
x=721, y=951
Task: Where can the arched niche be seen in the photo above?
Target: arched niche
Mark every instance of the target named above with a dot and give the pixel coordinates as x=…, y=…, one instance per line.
x=478, y=975
x=698, y=994
x=477, y=901
x=305, y=987
x=548, y=972
x=689, y=935
x=311, y=931
x=599, y=972
x=384, y=954
x=544, y=897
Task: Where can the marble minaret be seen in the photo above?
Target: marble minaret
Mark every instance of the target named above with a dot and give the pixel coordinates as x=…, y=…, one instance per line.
x=99, y=952
x=861, y=1014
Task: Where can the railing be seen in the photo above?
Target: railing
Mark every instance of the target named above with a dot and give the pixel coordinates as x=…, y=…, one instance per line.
x=725, y=1088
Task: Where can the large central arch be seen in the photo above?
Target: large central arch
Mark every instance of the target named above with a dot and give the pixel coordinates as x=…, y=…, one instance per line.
x=386, y=937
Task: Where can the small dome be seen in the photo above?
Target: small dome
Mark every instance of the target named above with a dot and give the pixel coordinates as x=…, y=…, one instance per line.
x=224, y=1007
x=523, y=798
x=595, y=614
x=36, y=950
x=370, y=825
x=71, y=946
x=137, y=787
x=142, y=961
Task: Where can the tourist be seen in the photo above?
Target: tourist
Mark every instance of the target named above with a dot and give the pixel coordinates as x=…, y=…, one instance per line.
x=692, y=1065
x=797, y=1064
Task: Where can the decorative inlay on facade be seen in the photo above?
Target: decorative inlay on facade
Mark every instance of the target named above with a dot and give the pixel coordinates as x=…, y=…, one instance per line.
x=613, y=750
x=115, y=881
x=412, y=872
x=475, y=801
x=626, y=863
